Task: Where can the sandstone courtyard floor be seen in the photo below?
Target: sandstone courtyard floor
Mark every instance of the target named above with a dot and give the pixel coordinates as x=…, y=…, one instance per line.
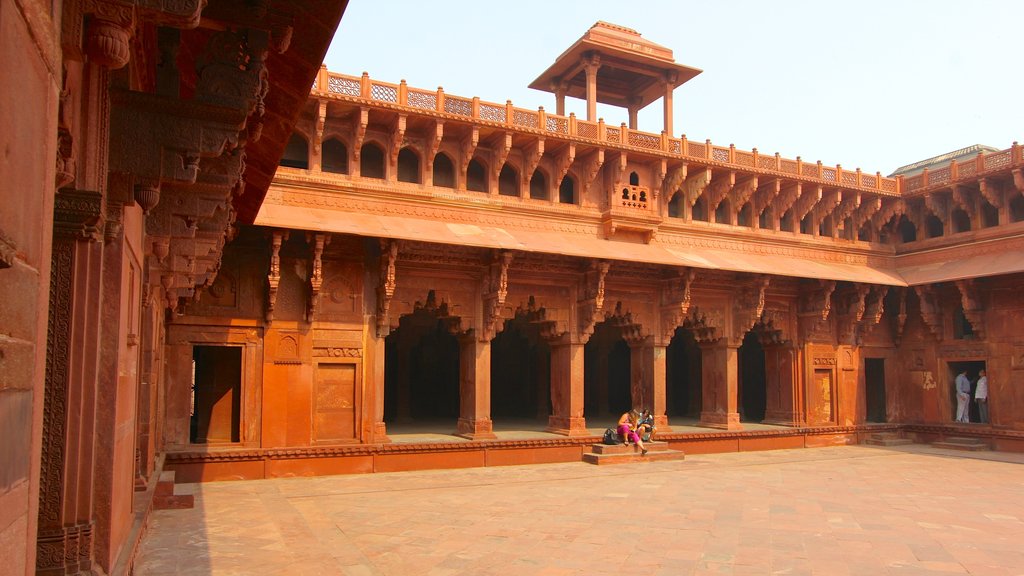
x=852, y=510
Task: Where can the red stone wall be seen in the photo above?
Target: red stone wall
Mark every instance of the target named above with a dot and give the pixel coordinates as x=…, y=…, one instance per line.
x=28, y=129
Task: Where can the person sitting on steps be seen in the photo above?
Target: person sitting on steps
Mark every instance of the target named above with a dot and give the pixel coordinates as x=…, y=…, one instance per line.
x=646, y=427
x=627, y=428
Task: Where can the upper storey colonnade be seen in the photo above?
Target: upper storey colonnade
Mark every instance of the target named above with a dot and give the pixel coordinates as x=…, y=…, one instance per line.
x=641, y=181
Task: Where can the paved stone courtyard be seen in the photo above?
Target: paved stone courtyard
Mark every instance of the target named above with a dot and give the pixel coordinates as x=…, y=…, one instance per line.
x=834, y=511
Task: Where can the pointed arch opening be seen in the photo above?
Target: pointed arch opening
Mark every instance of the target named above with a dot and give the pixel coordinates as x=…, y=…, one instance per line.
x=567, y=191
x=443, y=171
x=606, y=374
x=335, y=157
x=520, y=375
x=296, y=152
x=371, y=161
x=683, y=382
x=408, y=166
x=508, y=181
x=539, y=186
x=476, y=176
x=752, y=396
x=961, y=221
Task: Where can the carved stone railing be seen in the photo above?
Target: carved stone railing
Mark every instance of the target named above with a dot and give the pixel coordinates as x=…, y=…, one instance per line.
x=365, y=88
x=963, y=171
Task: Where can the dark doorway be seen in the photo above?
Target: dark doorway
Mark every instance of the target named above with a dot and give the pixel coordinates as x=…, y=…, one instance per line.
x=421, y=370
x=606, y=359
x=216, y=394
x=973, y=367
x=752, y=395
x=683, y=390
x=874, y=383
x=520, y=373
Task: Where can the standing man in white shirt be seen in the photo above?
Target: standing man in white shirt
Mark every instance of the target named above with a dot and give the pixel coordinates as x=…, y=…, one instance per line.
x=981, y=396
x=963, y=397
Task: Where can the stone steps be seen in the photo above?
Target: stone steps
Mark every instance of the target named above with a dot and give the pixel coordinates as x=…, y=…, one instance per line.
x=887, y=439
x=164, y=498
x=625, y=454
x=961, y=443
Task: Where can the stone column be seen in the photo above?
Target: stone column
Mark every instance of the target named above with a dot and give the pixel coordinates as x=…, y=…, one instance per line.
x=720, y=377
x=376, y=352
x=475, y=389
x=592, y=65
x=567, y=389
x=64, y=544
x=560, y=90
x=782, y=377
x=647, y=379
x=670, y=82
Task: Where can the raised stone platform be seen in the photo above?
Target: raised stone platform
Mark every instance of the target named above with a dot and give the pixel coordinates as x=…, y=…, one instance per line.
x=625, y=454
x=962, y=443
x=888, y=439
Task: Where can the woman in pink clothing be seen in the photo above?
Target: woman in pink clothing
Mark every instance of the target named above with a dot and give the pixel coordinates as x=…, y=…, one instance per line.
x=628, y=424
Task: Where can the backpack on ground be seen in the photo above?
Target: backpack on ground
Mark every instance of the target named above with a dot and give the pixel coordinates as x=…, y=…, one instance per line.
x=611, y=438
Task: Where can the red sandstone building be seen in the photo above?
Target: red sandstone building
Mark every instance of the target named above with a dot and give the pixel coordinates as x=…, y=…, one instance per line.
x=173, y=300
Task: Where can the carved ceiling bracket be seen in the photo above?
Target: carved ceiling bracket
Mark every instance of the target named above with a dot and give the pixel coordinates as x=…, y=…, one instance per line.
x=962, y=199
x=874, y=309
x=321, y=121
x=678, y=295
x=803, y=205
x=771, y=327
x=717, y=190
x=533, y=153
x=707, y=326
x=566, y=156
x=589, y=308
x=501, y=146
x=547, y=329
x=386, y=288
x=434, y=142
x=994, y=192
x=742, y=192
x=768, y=190
x=660, y=171
x=937, y=205
x=865, y=213
x=828, y=202
x=973, y=310
x=900, y=318
x=787, y=197
x=695, y=185
x=591, y=167
x=494, y=291
x=397, y=138
x=632, y=330
x=112, y=24
x=360, y=120
x=274, y=274
x=674, y=181
x=847, y=206
x=931, y=312
x=468, y=147
x=749, y=305
x=316, y=280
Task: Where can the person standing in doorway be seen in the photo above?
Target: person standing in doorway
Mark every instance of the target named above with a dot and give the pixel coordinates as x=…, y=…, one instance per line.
x=963, y=397
x=981, y=397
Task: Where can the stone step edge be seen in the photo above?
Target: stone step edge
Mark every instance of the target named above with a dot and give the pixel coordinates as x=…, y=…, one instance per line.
x=668, y=455
x=961, y=446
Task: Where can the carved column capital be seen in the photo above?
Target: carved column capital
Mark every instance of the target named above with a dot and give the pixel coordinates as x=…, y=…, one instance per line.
x=78, y=214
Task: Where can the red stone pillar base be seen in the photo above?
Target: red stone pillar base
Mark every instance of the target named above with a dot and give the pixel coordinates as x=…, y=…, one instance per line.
x=721, y=420
x=567, y=426
x=476, y=429
x=661, y=423
x=379, y=433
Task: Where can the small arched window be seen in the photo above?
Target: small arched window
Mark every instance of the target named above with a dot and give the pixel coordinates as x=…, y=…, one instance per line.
x=634, y=179
x=743, y=219
x=675, y=206
x=508, y=181
x=335, y=157
x=476, y=176
x=786, y=221
x=933, y=225
x=1017, y=209
x=371, y=161
x=408, y=166
x=444, y=171
x=989, y=215
x=907, y=230
x=538, y=186
x=722, y=212
x=961, y=221
x=567, y=191
x=296, y=153
x=700, y=209
x=764, y=218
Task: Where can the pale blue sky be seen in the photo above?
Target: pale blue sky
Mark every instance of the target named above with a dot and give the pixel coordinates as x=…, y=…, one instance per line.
x=870, y=84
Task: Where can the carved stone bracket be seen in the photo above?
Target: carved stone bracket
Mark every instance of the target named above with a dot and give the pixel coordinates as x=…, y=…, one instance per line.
x=631, y=329
x=695, y=185
x=787, y=197
x=501, y=146
x=742, y=192
x=674, y=181
x=589, y=308
x=717, y=190
x=360, y=121
x=748, y=306
x=397, y=139
x=676, y=302
x=973, y=310
x=771, y=327
x=827, y=204
x=547, y=328
x=867, y=209
x=468, y=147
x=809, y=197
x=495, y=289
x=660, y=171
x=847, y=206
x=938, y=205
x=931, y=311
x=900, y=318
x=873, y=311
x=386, y=288
x=993, y=191
x=852, y=312
x=961, y=197
x=532, y=155
x=316, y=279
x=591, y=167
x=890, y=209
x=434, y=142
x=274, y=274
x=566, y=156
x=767, y=191
x=707, y=325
